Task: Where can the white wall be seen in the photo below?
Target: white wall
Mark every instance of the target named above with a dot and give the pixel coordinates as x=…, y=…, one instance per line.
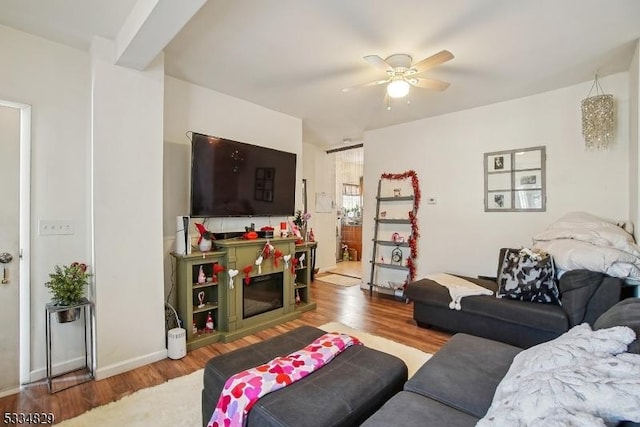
x=189, y=107
x=127, y=145
x=634, y=135
x=54, y=80
x=319, y=170
x=447, y=154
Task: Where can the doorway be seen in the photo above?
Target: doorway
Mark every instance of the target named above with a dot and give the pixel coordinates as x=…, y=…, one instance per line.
x=15, y=142
x=349, y=167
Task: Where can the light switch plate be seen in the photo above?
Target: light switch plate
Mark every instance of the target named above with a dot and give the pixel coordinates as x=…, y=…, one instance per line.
x=55, y=227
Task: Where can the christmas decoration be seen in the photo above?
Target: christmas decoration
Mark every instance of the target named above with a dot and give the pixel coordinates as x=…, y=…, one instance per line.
x=217, y=268
x=209, y=326
x=286, y=259
x=201, y=277
x=232, y=274
x=247, y=271
x=204, y=233
x=294, y=262
x=414, y=183
x=277, y=254
x=297, y=297
x=259, y=264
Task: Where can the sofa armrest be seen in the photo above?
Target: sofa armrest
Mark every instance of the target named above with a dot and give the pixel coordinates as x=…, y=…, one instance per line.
x=585, y=295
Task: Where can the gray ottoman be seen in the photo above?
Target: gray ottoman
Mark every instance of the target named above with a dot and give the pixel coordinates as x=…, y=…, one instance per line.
x=344, y=392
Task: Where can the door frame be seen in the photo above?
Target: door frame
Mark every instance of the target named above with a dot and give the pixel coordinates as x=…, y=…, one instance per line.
x=24, y=258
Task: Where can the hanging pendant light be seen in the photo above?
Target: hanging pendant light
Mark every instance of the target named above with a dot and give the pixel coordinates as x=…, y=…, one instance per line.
x=598, y=118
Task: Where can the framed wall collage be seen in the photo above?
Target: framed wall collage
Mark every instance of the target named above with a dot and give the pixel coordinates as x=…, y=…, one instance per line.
x=515, y=180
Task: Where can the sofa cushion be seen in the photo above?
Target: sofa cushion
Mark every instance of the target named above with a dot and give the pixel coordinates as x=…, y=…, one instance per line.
x=624, y=313
x=410, y=409
x=547, y=317
x=528, y=276
x=464, y=374
x=587, y=294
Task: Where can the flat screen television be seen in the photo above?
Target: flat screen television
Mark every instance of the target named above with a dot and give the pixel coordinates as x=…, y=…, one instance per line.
x=231, y=178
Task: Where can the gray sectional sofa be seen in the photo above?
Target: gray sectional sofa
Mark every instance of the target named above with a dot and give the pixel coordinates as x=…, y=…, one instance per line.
x=585, y=295
x=456, y=386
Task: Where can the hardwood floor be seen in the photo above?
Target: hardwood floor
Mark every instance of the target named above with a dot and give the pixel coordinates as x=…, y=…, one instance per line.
x=380, y=315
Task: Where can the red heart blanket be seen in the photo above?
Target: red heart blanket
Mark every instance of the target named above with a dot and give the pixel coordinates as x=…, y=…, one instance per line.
x=242, y=390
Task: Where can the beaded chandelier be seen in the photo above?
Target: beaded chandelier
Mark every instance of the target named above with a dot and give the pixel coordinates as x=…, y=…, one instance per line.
x=598, y=118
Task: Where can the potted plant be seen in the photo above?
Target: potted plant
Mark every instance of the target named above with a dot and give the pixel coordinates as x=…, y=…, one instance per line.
x=67, y=285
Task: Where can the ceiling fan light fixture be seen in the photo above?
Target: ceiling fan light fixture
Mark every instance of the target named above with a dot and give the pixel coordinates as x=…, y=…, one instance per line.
x=398, y=88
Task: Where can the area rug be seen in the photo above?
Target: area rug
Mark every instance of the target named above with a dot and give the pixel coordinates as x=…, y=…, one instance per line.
x=176, y=403
x=336, y=279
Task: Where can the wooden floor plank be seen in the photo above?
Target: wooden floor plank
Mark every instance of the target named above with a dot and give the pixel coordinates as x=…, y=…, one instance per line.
x=380, y=315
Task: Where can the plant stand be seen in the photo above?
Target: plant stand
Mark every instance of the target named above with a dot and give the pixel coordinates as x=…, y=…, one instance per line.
x=86, y=308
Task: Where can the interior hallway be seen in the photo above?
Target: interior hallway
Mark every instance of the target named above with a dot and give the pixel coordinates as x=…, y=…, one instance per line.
x=348, y=268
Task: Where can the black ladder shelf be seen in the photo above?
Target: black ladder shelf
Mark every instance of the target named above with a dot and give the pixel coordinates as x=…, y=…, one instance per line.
x=394, y=263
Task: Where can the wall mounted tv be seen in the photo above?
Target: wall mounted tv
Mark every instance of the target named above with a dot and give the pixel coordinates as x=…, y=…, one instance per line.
x=231, y=178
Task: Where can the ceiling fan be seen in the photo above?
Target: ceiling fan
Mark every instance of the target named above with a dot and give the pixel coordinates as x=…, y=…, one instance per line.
x=401, y=74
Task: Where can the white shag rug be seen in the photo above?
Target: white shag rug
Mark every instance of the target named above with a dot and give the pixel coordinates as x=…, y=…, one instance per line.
x=176, y=403
x=336, y=279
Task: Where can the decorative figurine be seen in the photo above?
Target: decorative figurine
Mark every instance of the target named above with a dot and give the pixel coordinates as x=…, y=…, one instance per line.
x=201, y=299
x=301, y=261
x=195, y=328
x=286, y=259
x=297, y=297
x=201, y=277
x=209, y=326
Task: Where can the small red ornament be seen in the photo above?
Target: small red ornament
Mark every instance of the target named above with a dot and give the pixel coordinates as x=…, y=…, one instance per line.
x=277, y=254
x=217, y=268
x=209, y=326
x=247, y=270
x=294, y=262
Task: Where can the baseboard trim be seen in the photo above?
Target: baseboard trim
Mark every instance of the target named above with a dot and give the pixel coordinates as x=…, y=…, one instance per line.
x=9, y=392
x=66, y=366
x=128, y=365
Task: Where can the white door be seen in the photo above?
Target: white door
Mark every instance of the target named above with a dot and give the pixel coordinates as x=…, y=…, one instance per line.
x=9, y=247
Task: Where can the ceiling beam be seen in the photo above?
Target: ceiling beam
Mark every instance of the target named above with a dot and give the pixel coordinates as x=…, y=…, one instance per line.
x=150, y=26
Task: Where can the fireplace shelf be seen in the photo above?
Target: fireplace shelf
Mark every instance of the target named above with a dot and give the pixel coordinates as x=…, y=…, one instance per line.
x=226, y=304
x=207, y=307
x=204, y=285
x=189, y=292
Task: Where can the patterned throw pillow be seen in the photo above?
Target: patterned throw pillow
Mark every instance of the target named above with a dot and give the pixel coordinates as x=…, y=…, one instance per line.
x=528, y=276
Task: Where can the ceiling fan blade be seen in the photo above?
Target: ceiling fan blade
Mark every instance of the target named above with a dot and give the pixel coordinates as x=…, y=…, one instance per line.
x=378, y=62
x=374, y=83
x=429, y=83
x=432, y=61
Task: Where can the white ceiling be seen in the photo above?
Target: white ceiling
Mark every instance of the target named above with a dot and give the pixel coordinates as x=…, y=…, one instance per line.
x=294, y=56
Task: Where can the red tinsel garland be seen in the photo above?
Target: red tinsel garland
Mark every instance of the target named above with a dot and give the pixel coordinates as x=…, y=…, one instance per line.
x=414, y=183
x=413, y=239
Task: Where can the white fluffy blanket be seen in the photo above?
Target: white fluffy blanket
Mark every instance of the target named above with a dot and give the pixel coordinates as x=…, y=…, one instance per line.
x=582, y=241
x=458, y=288
x=583, y=378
